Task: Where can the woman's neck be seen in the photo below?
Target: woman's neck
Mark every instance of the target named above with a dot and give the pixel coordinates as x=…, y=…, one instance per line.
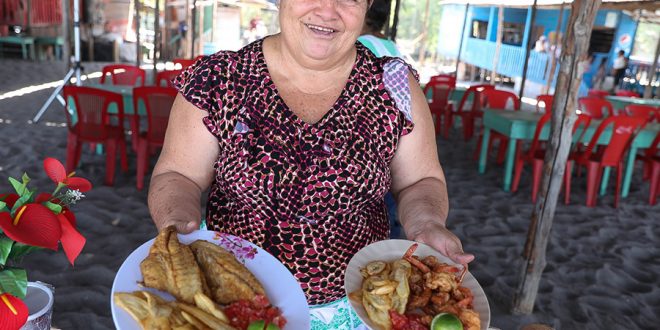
x=299, y=67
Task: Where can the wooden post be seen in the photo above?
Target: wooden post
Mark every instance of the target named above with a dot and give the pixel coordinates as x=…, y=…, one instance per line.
x=460, y=44
x=66, y=48
x=157, y=36
x=191, y=29
x=575, y=45
x=553, y=57
x=498, y=43
x=526, y=41
x=648, y=91
x=395, y=21
x=138, y=50
x=425, y=34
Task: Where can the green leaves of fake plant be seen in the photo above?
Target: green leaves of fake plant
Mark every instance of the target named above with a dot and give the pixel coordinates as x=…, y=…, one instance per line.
x=25, y=195
x=14, y=281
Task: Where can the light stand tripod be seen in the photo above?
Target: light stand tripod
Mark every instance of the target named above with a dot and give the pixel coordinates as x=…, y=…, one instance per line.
x=76, y=69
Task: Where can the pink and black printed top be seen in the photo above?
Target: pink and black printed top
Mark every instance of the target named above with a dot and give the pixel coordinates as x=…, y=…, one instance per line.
x=310, y=194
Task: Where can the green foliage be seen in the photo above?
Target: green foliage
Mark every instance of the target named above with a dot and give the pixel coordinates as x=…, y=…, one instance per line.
x=14, y=281
x=5, y=248
x=19, y=250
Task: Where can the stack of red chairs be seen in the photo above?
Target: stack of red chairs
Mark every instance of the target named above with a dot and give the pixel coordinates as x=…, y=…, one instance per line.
x=651, y=160
x=639, y=110
x=444, y=78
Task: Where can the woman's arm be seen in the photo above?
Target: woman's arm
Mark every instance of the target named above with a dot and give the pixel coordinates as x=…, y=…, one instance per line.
x=418, y=183
x=184, y=169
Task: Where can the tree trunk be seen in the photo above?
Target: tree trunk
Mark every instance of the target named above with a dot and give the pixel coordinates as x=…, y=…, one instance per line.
x=575, y=46
x=498, y=43
x=648, y=91
x=460, y=44
x=553, y=57
x=395, y=21
x=138, y=51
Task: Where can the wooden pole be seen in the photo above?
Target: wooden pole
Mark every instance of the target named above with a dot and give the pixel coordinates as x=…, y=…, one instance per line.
x=138, y=50
x=425, y=34
x=193, y=37
x=157, y=36
x=648, y=91
x=529, y=35
x=66, y=48
x=553, y=57
x=575, y=45
x=498, y=43
x=460, y=44
x=395, y=22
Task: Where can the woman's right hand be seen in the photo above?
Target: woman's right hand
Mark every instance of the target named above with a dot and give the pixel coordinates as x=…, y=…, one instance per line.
x=182, y=225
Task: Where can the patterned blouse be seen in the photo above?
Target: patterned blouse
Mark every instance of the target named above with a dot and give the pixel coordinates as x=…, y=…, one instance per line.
x=310, y=194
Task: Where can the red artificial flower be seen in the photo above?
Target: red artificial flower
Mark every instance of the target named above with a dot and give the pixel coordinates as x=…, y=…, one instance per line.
x=33, y=224
x=56, y=172
x=10, y=199
x=13, y=312
x=72, y=241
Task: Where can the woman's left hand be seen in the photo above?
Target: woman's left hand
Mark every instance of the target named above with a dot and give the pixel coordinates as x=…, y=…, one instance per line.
x=440, y=238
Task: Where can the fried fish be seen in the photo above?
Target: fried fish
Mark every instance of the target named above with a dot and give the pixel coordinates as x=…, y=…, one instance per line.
x=228, y=279
x=171, y=267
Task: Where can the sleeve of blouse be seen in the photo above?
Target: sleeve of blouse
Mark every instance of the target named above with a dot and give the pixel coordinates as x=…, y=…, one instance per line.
x=395, y=79
x=201, y=83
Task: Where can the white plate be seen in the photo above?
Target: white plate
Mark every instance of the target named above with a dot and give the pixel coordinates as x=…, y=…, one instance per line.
x=282, y=289
x=393, y=249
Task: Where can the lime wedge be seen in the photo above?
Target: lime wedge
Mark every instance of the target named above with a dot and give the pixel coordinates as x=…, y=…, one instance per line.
x=257, y=325
x=446, y=321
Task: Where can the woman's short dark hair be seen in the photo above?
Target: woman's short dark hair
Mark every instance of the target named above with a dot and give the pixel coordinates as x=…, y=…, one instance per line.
x=377, y=14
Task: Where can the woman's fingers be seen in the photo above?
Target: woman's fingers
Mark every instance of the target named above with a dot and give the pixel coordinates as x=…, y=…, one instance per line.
x=182, y=227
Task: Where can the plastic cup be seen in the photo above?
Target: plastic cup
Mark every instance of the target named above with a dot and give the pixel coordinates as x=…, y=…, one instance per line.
x=39, y=300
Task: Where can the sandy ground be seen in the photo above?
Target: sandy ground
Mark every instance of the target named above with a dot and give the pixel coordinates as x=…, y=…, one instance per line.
x=602, y=263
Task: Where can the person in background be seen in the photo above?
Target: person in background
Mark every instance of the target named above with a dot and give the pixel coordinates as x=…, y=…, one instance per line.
x=601, y=73
x=298, y=137
x=372, y=36
x=619, y=68
x=541, y=45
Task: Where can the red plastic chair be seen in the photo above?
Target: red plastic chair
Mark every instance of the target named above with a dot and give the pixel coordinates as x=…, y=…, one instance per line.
x=164, y=78
x=626, y=93
x=535, y=155
x=639, y=110
x=468, y=116
x=122, y=74
x=624, y=129
x=598, y=93
x=184, y=63
x=439, y=102
x=546, y=100
x=594, y=107
x=497, y=99
x=93, y=123
x=158, y=103
x=444, y=78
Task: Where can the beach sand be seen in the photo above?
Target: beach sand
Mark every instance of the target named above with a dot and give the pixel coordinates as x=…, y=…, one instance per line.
x=602, y=263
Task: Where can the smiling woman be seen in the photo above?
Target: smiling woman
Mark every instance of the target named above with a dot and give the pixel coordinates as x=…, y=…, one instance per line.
x=299, y=136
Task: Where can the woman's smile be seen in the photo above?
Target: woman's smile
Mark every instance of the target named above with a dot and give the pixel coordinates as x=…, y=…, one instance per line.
x=321, y=31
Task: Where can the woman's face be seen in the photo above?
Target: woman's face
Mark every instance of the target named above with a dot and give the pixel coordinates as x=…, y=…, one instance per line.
x=320, y=29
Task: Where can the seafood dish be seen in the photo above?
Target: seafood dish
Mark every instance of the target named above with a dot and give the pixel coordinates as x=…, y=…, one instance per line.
x=407, y=293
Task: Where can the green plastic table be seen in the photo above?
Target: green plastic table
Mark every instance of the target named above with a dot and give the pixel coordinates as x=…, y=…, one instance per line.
x=620, y=102
x=127, y=96
x=26, y=43
x=520, y=125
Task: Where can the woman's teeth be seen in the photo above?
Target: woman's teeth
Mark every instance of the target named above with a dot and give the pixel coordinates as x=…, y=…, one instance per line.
x=320, y=28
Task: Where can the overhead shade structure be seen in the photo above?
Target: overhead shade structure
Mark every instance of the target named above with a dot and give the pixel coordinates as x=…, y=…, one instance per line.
x=606, y=4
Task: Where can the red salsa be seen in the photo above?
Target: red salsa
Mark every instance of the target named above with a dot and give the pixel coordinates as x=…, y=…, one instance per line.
x=243, y=312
